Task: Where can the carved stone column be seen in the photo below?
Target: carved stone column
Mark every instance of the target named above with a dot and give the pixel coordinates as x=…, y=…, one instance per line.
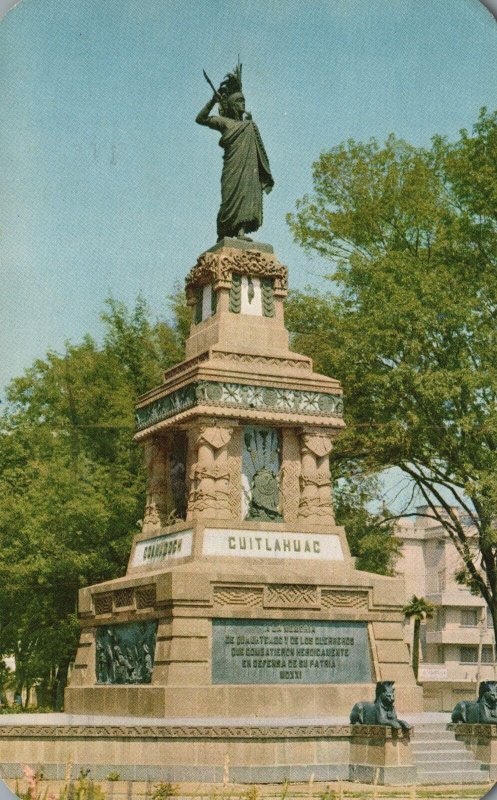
x=156, y=465
x=315, y=479
x=209, y=474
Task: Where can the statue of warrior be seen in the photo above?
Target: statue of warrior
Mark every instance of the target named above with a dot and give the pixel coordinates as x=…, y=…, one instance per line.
x=246, y=172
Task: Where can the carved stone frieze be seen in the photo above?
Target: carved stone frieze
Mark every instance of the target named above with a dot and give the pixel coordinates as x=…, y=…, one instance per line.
x=217, y=269
x=378, y=732
x=44, y=732
x=103, y=603
x=145, y=596
x=291, y=596
x=336, y=598
x=237, y=395
x=238, y=596
x=271, y=361
x=290, y=476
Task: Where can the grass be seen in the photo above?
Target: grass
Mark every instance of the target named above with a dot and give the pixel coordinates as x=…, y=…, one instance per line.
x=35, y=787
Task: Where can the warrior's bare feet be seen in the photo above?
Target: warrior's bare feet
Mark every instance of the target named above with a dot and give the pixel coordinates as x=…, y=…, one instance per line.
x=241, y=235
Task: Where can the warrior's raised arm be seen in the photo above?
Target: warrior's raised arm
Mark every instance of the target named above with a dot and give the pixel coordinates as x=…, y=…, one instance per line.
x=203, y=117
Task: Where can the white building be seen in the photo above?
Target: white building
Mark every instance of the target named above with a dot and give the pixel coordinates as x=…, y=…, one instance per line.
x=457, y=645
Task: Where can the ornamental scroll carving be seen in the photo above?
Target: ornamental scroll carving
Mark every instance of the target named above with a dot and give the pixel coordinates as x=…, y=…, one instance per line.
x=209, y=475
x=217, y=269
x=315, y=477
x=131, y=732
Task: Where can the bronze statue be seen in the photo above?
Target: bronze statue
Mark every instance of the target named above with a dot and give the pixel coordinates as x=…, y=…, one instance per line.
x=382, y=711
x=246, y=172
x=482, y=711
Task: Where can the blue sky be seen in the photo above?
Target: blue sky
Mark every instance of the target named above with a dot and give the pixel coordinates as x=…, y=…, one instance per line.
x=109, y=187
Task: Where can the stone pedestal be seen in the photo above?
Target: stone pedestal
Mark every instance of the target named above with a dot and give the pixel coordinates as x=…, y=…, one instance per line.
x=379, y=754
x=482, y=741
x=240, y=597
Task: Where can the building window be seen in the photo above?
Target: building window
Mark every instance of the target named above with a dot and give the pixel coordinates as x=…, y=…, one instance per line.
x=468, y=654
x=469, y=617
x=441, y=580
x=440, y=654
x=487, y=654
x=490, y=622
x=440, y=619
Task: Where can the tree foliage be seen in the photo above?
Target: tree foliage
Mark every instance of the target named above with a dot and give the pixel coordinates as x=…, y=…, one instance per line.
x=410, y=327
x=371, y=540
x=72, y=484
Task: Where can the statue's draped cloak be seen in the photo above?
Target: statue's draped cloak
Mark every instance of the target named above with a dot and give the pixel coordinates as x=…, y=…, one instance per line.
x=245, y=175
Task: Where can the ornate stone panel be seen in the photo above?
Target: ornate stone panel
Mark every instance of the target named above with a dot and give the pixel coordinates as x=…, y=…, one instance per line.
x=146, y=596
x=242, y=596
x=209, y=475
x=237, y=395
x=290, y=489
x=217, y=268
x=235, y=471
x=291, y=596
x=335, y=598
x=102, y=603
x=124, y=598
x=178, y=731
x=315, y=477
x=270, y=361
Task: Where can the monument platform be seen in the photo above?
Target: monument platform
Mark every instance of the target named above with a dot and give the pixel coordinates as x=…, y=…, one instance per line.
x=212, y=749
x=241, y=599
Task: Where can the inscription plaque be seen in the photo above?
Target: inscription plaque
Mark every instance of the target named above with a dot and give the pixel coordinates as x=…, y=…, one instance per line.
x=163, y=548
x=290, y=651
x=270, y=544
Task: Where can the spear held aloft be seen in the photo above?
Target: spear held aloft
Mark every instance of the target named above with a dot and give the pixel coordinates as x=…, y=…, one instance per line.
x=211, y=85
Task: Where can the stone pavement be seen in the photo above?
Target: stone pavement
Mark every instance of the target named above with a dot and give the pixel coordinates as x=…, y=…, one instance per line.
x=105, y=719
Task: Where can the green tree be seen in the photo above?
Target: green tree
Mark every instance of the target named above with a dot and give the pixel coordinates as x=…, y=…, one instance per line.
x=418, y=609
x=372, y=541
x=72, y=485
x=410, y=325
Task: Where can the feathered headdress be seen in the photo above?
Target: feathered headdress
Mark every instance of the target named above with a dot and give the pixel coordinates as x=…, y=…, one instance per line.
x=231, y=84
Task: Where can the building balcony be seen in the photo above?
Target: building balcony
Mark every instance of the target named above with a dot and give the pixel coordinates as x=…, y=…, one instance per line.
x=455, y=597
x=459, y=634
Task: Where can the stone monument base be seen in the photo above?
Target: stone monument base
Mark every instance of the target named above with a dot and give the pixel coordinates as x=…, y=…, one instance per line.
x=242, y=635
x=173, y=702
x=209, y=751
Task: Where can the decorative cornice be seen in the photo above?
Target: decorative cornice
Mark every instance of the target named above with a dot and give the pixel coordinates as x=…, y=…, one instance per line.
x=217, y=268
x=478, y=730
x=379, y=732
x=242, y=396
x=174, y=731
x=271, y=361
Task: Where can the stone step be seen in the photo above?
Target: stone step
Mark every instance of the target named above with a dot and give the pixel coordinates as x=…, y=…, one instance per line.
x=444, y=744
x=453, y=776
x=437, y=744
x=441, y=759
x=448, y=766
x=433, y=736
x=445, y=757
